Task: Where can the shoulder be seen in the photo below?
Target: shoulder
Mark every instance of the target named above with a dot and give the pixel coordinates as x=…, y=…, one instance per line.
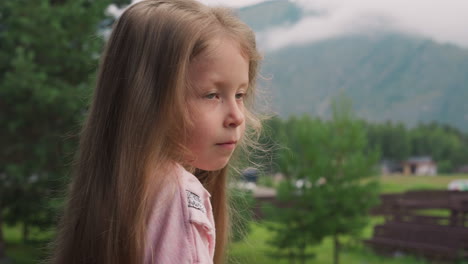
x=195, y=191
x=200, y=218
x=184, y=224
x=196, y=200
x=185, y=193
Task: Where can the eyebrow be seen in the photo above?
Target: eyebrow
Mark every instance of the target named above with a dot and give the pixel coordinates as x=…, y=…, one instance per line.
x=223, y=84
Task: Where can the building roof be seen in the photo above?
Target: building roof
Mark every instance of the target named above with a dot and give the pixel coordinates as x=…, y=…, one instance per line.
x=419, y=159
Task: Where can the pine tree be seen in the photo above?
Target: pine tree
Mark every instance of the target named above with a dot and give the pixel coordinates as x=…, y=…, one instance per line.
x=350, y=172
x=48, y=58
x=329, y=184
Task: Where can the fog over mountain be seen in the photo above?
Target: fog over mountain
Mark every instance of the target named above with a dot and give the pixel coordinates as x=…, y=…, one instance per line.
x=392, y=68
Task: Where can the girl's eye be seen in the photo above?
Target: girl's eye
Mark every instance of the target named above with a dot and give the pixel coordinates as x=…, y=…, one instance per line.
x=240, y=96
x=212, y=96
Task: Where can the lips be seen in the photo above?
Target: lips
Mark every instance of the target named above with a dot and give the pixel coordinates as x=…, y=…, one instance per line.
x=228, y=144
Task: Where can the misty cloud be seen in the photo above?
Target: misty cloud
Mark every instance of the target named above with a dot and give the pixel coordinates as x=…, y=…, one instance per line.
x=116, y=12
x=444, y=21
x=232, y=3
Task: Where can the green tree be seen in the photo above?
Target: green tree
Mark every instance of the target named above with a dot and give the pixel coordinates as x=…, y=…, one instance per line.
x=392, y=139
x=300, y=221
x=48, y=57
x=242, y=203
x=444, y=145
x=351, y=184
x=264, y=157
x=330, y=182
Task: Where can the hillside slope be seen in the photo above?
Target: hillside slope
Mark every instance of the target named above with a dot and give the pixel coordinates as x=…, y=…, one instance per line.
x=388, y=76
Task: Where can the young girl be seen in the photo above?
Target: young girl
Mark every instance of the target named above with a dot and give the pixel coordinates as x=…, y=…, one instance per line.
x=171, y=105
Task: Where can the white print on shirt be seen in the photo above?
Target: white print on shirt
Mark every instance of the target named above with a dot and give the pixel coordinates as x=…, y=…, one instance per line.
x=194, y=201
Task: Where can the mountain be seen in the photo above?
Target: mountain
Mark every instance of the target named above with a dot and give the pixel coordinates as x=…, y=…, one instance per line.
x=269, y=14
x=389, y=76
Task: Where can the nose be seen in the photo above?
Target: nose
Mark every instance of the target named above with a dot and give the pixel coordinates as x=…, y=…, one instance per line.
x=235, y=114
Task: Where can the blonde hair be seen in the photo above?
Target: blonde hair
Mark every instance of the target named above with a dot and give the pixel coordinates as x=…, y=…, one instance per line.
x=134, y=128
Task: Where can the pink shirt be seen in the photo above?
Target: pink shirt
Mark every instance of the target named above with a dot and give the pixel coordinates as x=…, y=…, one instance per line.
x=184, y=232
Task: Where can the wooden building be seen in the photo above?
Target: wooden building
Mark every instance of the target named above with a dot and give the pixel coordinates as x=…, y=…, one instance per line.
x=420, y=166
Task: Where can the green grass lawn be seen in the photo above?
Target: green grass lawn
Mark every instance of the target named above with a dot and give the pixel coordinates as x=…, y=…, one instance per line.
x=26, y=253
x=255, y=248
x=401, y=183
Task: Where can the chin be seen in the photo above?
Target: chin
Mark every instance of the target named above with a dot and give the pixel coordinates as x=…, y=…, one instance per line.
x=210, y=166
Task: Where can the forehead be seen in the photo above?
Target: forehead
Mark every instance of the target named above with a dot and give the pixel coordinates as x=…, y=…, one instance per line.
x=222, y=62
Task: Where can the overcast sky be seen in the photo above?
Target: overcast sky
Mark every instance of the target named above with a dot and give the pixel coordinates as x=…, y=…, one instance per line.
x=444, y=21
x=232, y=3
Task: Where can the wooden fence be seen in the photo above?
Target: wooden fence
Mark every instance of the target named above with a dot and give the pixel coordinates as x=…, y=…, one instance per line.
x=427, y=223
x=432, y=224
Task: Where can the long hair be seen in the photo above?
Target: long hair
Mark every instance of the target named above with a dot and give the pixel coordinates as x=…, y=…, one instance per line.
x=134, y=128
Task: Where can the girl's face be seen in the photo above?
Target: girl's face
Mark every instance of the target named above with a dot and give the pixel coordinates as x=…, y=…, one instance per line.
x=220, y=78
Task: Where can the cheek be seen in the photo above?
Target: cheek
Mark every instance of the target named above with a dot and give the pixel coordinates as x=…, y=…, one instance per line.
x=242, y=129
x=194, y=147
x=199, y=135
